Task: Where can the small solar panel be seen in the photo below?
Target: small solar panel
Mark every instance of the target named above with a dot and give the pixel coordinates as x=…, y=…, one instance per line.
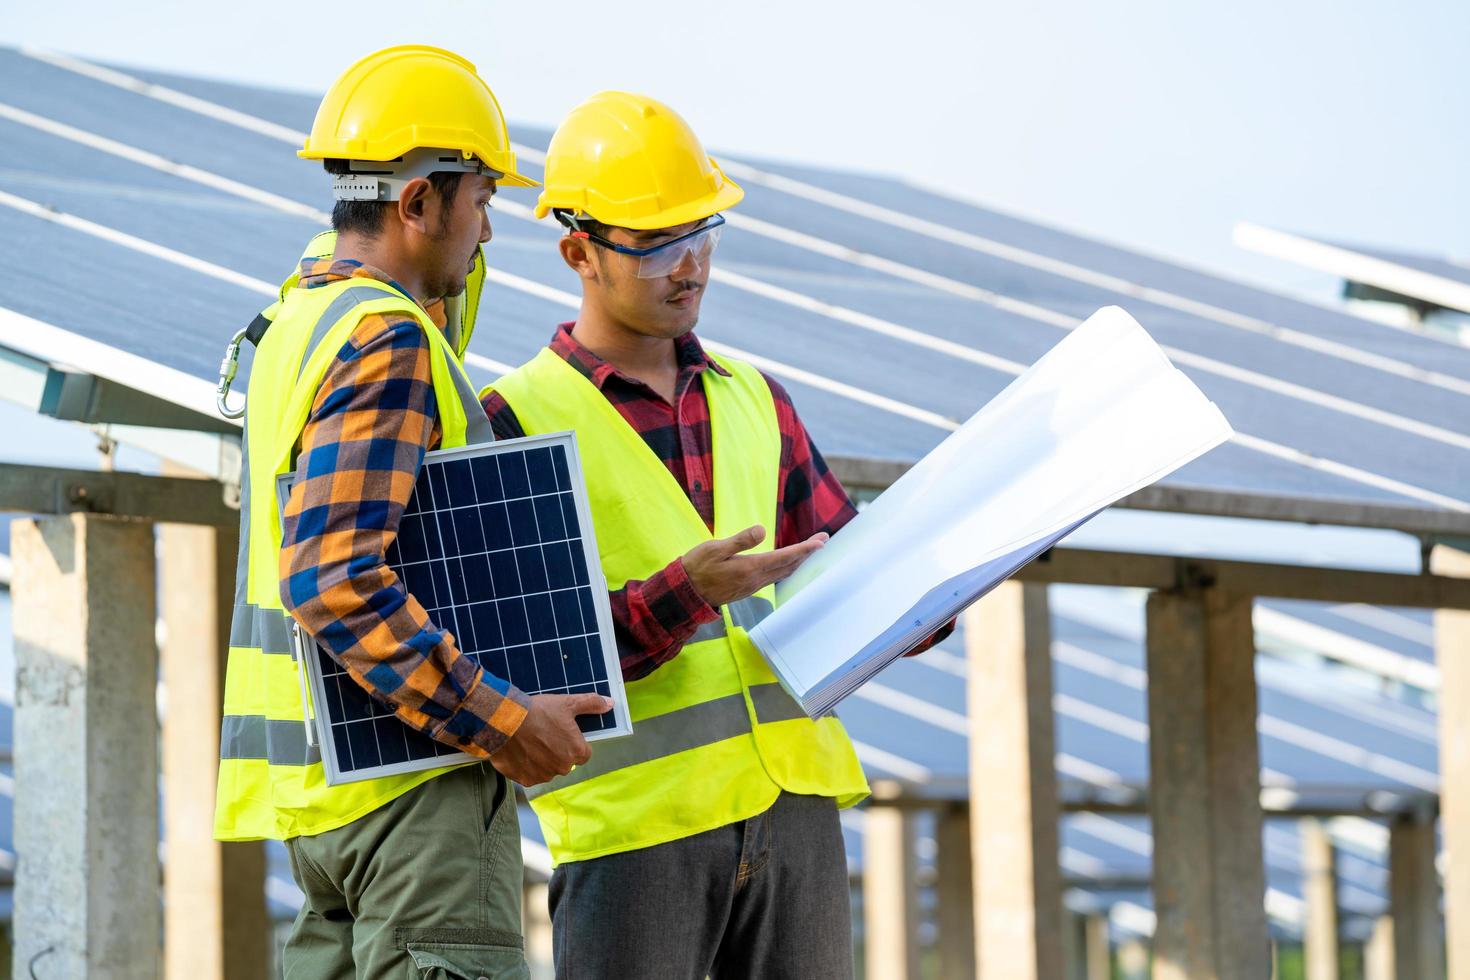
x=496, y=545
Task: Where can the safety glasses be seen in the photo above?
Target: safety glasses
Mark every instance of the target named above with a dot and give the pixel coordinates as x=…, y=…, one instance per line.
x=660, y=261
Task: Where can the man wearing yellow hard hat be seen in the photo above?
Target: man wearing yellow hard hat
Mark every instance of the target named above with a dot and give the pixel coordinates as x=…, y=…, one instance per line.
x=357, y=373
x=708, y=842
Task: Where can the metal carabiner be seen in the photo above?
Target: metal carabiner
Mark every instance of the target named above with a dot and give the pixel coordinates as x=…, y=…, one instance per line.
x=227, y=369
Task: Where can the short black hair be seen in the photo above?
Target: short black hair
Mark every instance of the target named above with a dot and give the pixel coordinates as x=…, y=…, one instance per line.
x=365, y=218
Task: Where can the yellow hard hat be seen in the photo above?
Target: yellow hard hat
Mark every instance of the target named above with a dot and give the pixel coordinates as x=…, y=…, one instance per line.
x=412, y=97
x=629, y=161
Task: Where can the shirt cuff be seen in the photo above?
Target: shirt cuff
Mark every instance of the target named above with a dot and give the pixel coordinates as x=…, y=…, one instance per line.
x=486, y=718
x=934, y=639
x=688, y=612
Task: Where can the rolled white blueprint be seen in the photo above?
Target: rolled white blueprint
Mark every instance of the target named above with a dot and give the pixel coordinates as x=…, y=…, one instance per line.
x=1100, y=415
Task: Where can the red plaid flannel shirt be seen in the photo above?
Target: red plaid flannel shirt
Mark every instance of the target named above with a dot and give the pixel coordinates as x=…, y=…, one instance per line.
x=655, y=617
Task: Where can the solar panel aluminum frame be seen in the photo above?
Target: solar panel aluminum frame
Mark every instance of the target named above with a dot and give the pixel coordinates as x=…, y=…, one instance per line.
x=314, y=691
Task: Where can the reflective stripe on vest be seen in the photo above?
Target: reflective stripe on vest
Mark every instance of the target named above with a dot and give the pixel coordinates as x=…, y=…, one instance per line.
x=281, y=743
x=678, y=731
x=264, y=629
x=271, y=783
x=715, y=738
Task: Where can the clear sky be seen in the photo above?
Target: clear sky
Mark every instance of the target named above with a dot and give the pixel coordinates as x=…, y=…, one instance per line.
x=1155, y=123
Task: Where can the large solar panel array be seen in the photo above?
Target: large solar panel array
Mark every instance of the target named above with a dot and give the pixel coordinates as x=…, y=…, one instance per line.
x=494, y=544
x=876, y=393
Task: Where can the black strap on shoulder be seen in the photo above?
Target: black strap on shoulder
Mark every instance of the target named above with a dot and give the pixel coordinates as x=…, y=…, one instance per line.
x=257, y=328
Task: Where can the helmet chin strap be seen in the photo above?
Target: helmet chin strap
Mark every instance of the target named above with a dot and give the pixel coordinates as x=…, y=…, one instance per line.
x=374, y=180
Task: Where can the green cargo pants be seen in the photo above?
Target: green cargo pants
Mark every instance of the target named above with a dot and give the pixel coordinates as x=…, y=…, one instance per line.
x=427, y=886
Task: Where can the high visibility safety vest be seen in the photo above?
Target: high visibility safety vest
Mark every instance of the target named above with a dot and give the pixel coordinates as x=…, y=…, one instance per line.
x=715, y=737
x=271, y=782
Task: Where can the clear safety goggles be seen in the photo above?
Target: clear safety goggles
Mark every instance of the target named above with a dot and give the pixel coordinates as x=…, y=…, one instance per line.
x=660, y=261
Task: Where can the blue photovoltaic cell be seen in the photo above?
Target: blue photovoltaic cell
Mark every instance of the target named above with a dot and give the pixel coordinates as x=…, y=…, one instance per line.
x=492, y=547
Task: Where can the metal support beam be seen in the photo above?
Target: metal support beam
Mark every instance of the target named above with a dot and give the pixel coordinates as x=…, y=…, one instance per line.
x=86, y=738
x=1169, y=573
x=1323, y=801
x=51, y=490
x=877, y=474
x=75, y=396
x=1413, y=899
x=55, y=490
x=1237, y=505
x=1319, y=887
x=209, y=454
x=215, y=919
x=1013, y=785
x=1452, y=655
x=890, y=894
x=954, y=892
x=1208, y=867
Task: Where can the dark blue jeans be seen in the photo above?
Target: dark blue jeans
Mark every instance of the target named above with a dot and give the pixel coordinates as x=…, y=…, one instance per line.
x=766, y=897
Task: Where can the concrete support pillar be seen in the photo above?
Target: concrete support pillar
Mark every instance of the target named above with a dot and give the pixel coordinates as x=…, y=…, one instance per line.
x=1098, y=951
x=955, y=897
x=1085, y=946
x=1013, y=785
x=1378, y=951
x=1452, y=654
x=1133, y=959
x=86, y=746
x=890, y=894
x=536, y=926
x=1204, y=789
x=1319, y=887
x=1413, y=899
x=215, y=922
x=1074, y=954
